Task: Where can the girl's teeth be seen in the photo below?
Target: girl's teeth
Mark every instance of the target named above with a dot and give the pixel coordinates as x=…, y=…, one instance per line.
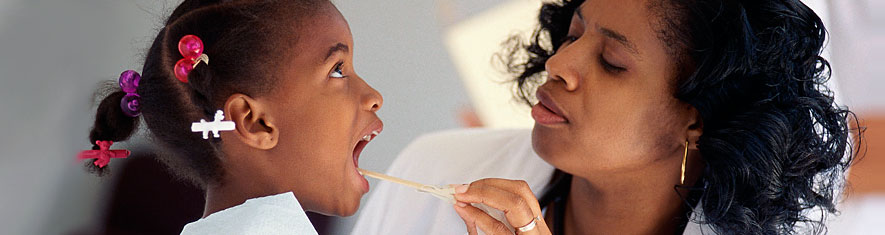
x=370, y=136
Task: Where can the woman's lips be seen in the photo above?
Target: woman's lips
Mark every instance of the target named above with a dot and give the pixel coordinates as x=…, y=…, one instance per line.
x=546, y=112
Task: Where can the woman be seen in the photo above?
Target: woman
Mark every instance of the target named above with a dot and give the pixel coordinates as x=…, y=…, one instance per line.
x=660, y=117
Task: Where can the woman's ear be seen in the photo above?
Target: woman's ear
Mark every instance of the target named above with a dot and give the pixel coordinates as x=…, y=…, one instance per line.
x=253, y=124
x=694, y=127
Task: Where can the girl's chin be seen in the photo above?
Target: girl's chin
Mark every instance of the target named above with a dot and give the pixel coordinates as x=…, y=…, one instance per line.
x=358, y=188
x=349, y=207
x=344, y=208
x=350, y=211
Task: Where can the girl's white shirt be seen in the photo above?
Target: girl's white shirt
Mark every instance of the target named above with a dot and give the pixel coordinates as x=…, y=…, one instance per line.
x=453, y=157
x=276, y=214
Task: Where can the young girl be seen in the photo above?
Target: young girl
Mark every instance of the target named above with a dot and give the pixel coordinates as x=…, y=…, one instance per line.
x=272, y=126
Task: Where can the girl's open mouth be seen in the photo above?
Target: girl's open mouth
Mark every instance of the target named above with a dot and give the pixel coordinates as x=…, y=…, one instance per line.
x=367, y=135
x=362, y=145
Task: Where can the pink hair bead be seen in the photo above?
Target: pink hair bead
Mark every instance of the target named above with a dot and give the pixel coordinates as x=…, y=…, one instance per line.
x=190, y=46
x=182, y=68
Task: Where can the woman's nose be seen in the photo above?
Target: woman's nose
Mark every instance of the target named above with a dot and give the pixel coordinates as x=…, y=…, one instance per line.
x=561, y=68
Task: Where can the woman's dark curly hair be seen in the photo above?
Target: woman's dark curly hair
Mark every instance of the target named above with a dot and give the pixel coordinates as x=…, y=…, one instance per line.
x=243, y=38
x=775, y=143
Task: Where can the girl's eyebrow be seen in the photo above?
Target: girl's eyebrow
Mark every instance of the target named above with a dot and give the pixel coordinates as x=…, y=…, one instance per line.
x=340, y=47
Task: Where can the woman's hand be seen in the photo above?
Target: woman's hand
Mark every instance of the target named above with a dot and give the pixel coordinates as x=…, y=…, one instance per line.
x=513, y=197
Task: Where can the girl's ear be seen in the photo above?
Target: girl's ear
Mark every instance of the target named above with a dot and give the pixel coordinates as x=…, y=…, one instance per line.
x=695, y=127
x=253, y=126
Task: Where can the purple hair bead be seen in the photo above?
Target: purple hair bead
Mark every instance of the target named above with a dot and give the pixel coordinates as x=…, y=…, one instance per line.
x=129, y=83
x=130, y=105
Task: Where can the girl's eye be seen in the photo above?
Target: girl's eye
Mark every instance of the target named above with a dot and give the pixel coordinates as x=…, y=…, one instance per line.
x=337, y=73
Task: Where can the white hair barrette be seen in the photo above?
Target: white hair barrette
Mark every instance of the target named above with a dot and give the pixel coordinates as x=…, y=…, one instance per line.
x=215, y=126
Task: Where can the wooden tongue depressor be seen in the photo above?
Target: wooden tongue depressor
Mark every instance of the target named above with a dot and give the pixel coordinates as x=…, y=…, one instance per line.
x=444, y=193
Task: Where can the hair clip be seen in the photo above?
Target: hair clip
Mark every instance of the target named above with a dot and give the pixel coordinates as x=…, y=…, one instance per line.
x=129, y=84
x=215, y=126
x=103, y=154
x=191, y=47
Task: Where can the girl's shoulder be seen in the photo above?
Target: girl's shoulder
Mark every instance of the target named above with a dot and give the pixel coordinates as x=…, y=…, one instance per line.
x=275, y=214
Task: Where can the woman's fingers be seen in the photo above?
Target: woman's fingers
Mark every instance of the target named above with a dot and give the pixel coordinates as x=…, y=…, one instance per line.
x=469, y=221
x=475, y=218
x=522, y=188
x=516, y=209
x=518, y=187
x=513, y=197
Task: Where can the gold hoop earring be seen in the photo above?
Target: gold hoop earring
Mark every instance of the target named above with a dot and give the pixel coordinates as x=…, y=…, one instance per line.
x=684, y=157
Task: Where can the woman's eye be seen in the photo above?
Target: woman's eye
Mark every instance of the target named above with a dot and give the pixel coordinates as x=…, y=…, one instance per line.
x=567, y=40
x=337, y=73
x=609, y=67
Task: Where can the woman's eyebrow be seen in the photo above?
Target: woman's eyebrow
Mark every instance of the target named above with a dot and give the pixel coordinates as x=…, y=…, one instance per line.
x=340, y=47
x=609, y=33
x=620, y=38
x=578, y=13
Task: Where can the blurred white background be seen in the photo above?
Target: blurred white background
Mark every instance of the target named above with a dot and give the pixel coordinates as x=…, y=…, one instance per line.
x=53, y=54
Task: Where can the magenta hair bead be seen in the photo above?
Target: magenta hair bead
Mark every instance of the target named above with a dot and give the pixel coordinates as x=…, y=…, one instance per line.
x=129, y=81
x=182, y=68
x=190, y=46
x=129, y=105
